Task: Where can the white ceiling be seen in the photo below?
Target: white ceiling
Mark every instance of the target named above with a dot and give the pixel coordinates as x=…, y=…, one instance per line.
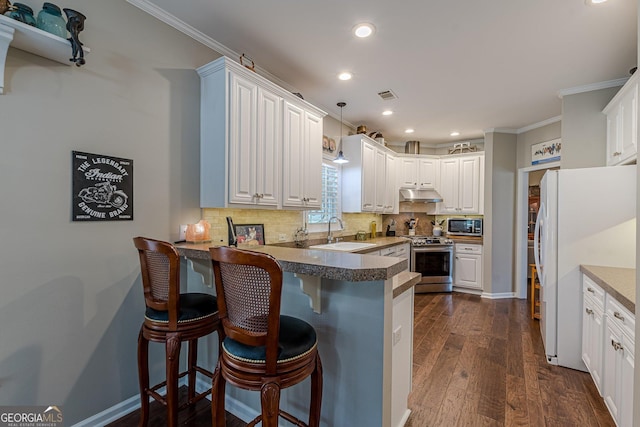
x=462, y=65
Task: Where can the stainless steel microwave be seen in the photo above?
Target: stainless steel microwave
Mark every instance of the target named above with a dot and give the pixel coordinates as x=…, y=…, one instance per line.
x=464, y=227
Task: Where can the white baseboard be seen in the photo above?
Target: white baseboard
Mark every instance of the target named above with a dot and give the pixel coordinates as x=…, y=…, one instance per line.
x=121, y=409
x=468, y=291
x=499, y=295
x=404, y=418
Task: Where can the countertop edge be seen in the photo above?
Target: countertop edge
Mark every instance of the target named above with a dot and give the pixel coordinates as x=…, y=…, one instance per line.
x=405, y=281
x=334, y=272
x=618, y=282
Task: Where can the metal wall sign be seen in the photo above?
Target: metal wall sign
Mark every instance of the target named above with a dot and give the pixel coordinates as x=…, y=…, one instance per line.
x=102, y=187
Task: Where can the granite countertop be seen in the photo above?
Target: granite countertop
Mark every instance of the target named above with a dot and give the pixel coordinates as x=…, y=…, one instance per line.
x=336, y=265
x=380, y=242
x=620, y=283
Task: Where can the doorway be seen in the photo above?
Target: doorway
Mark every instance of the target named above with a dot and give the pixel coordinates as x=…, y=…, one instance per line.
x=526, y=175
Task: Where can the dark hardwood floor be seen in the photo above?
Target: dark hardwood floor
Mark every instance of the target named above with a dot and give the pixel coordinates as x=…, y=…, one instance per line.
x=480, y=362
x=477, y=362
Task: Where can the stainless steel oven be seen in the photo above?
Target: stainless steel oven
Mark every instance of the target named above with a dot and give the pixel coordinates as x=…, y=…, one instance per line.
x=432, y=257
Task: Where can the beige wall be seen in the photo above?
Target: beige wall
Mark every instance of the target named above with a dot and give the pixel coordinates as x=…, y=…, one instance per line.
x=534, y=136
x=70, y=297
x=499, y=214
x=584, y=128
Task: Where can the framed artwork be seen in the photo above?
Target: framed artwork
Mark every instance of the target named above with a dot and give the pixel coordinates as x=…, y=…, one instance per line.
x=102, y=187
x=545, y=152
x=250, y=234
x=328, y=144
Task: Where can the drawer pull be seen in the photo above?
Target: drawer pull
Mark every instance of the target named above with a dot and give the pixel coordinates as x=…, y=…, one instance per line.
x=616, y=345
x=617, y=315
x=617, y=153
x=590, y=289
x=589, y=311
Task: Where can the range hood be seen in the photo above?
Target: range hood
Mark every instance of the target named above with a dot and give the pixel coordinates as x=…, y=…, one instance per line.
x=426, y=196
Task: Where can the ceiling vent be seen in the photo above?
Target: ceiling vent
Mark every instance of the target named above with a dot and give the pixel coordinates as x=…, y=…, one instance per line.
x=387, y=95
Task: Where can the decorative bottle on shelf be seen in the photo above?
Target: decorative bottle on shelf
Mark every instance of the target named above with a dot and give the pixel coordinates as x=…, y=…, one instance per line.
x=50, y=20
x=23, y=13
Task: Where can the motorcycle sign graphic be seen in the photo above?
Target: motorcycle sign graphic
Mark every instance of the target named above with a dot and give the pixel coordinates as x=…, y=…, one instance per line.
x=104, y=192
x=102, y=188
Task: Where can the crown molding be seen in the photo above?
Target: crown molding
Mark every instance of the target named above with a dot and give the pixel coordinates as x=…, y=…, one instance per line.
x=501, y=130
x=539, y=124
x=202, y=38
x=591, y=87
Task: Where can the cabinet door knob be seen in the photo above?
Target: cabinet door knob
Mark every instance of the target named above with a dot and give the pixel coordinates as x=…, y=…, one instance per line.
x=589, y=311
x=616, y=345
x=617, y=315
x=590, y=289
x=617, y=153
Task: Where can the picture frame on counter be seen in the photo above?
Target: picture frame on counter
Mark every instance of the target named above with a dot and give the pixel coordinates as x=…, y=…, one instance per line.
x=250, y=234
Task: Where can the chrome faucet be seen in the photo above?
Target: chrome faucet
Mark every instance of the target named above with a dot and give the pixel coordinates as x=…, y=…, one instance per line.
x=329, y=236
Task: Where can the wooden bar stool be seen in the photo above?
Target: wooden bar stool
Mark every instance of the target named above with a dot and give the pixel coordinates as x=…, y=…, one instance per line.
x=261, y=349
x=170, y=318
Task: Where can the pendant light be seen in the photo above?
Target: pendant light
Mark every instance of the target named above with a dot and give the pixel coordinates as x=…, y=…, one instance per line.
x=340, y=158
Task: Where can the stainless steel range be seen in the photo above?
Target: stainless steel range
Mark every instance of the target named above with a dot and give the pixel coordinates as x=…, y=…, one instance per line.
x=433, y=258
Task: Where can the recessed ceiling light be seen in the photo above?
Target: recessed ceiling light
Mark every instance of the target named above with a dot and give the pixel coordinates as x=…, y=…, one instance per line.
x=454, y=133
x=409, y=131
x=590, y=2
x=345, y=76
x=387, y=112
x=363, y=30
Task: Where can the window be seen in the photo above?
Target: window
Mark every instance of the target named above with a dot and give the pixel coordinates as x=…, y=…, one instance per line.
x=317, y=220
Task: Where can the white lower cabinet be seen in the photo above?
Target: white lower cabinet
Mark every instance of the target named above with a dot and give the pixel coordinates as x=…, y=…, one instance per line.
x=592, y=333
x=608, y=350
x=467, y=266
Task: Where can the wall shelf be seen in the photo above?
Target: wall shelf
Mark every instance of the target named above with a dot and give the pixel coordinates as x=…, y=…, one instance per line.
x=33, y=40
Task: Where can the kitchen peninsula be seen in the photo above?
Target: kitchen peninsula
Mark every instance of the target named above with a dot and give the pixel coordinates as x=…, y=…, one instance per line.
x=362, y=309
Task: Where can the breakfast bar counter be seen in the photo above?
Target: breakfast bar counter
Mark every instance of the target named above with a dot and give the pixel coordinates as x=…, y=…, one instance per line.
x=362, y=311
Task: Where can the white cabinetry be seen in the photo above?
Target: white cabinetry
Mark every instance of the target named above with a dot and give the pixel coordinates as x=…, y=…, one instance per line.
x=254, y=133
x=622, y=124
x=260, y=145
x=619, y=353
x=608, y=350
x=460, y=185
x=302, y=167
x=467, y=268
x=419, y=172
x=391, y=189
x=368, y=180
x=593, y=329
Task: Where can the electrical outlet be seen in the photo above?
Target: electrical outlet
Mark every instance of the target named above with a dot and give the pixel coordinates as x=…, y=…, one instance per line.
x=397, y=335
x=282, y=237
x=182, y=235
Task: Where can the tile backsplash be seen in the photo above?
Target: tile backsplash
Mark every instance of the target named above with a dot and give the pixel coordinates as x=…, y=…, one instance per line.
x=277, y=222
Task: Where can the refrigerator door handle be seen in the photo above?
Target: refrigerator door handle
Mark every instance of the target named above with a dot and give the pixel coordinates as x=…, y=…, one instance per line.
x=536, y=242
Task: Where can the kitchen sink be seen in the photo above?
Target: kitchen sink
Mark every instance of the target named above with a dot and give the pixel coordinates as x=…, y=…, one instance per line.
x=343, y=246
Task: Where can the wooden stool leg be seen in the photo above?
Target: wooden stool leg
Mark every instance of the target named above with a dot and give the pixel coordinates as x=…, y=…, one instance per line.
x=143, y=378
x=270, y=402
x=193, y=359
x=316, y=394
x=218, y=414
x=172, y=362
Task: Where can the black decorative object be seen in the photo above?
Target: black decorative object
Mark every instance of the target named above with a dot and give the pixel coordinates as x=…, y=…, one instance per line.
x=75, y=24
x=102, y=187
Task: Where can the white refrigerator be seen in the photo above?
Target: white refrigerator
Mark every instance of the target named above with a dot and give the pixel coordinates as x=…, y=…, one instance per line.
x=586, y=216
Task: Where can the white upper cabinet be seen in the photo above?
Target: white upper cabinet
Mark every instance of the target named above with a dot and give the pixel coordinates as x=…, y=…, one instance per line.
x=254, y=135
x=302, y=167
x=460, y=182
x=254, y=155
x=428, y=173
x=622, y=124
x=419, y=172
x=368, y=180
x=408, y=172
